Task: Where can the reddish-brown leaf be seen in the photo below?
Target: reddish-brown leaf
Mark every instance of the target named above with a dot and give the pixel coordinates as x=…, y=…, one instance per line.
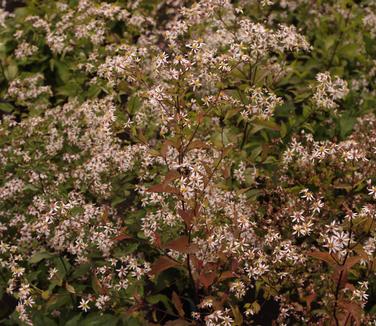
x=325, y=256
x=227, y=150
x=121, y=237
x=187, y=216
x=218, y=304
x=157, y=240
x=163, y=188
x=337, y=274
x=193, y=248
x=342, y=270
x=350, y=287
x=309, y=299
x=170, y=176
x=200, y=117
x=223, y=257
x=137, y=298
x=162, y=264
x=207, y=168
x=104, y=216
x=165, y=147
x=182, y=245
x=97, y=286
x=207, y=279
x=178, y=304
x=351, y=261
x=226, y=171
x=197, y=210
x=234, y=265
x=197, y=144
x=226, y=275
x=196, y=262
x=133, y=309
x=177, y=322
x=353, y=308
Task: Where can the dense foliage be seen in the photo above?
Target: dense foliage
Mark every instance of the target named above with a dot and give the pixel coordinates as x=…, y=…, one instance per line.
x=177, y=162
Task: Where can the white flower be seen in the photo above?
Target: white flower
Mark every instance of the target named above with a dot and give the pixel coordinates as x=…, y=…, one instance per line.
x=333, y=245
x=372, y=191
x=52, y=272
x=308, y=195
x=84, y=305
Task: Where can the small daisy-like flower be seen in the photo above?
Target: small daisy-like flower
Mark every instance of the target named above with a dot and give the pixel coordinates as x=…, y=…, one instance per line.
x=372, y=191
x=308, y=195
x=333, y=245
x=316, y=206
x=52, y=272
x=84, y=305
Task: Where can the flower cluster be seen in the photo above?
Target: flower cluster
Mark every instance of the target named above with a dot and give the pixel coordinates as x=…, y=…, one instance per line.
x=169, y=162
x=29, y=88
x=329, y=90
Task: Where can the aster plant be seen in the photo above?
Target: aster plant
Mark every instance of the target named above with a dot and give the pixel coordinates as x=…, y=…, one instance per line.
x=177, y=162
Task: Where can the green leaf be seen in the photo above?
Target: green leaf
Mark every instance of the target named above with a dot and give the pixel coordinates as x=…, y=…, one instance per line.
x=133, y=104
x=62, y=265
x=74, y=321
x=131, y=321
x=93, y=91
x=154, y=299
x=36, y=258
x=373, y=310
x=6, y=107
x=268, y=124
x=350, y=51
x=81, y=270
x=58, y=300
x=329, y=41
x=117, y=200
x=283, y=130
x=63, y=71
x=41, y=320
x=346, y=125
x=11, y=72
x=69, y=89
x=230, y=113
x=307, y=110
x=96, y=319
x=256, y=152
x=130, y=248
